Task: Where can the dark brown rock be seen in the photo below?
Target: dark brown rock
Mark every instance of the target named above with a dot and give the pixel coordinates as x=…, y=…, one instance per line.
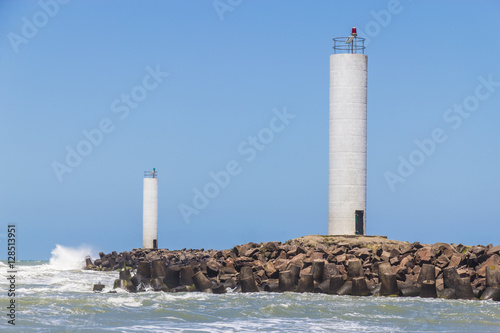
x=246, y=272
x=272, y=287
x=98, y=287
x=463, y=289
x=282, y=254
x=251, y=252
x=395, y=252
x=341, y=259
x=491, y=293
x=362, y=253
x=442, y=261
x=406, y=248
x=336, y=283
x=230, y=283
x=158, y=285
x=329, y=270
x=172, y=277
x=271, y=246
x=423, y=256
x=306, y=283
x=439, y=284
x=291, y=251
x=428, y=289
x=354, y=269
x=317, y=270
x=359, y=287
x=144, y=269
x=219, y=288
x=442, y=249
x=494, y=260
x=407, y=262
x=298, y=259
x=317, y=255
x=186, y=275
x=159, y=269
x=427, y=273
x=281, y=264
x=346, y=289
x=125, y=274
x=228, y=267
x=323, y=287
x=385, y=268
x=389, y=286
x=201, y=282
x=286, y=282
x=338, y=251
x=456, y=259
x=270, y=270
x=451, y=278
x=244, y=248
x=493, y=250
x=411, y=291
x=493, y=276
x=478, y=250
x=248, y=285
x=394, y=260
x=295, y=271
x=448, y=293
x=213, y=268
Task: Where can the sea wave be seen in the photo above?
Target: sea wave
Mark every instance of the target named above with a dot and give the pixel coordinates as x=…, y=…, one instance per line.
x=68, y=258
x=237, y=312
x=61, y=274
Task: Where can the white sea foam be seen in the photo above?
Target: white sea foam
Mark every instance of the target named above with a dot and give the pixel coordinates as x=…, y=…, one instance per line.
x=61, y=274
x=238, y=312
x=185, y=296
x=67, y=258
x=124, y=301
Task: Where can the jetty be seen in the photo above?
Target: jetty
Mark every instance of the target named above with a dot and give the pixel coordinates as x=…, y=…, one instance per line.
x=341, y=265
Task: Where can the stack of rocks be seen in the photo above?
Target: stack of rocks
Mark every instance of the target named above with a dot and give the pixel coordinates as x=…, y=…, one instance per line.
x=344, y=265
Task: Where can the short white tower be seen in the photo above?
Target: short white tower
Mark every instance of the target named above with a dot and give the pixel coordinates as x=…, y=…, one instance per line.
x=347, y=171
x=150, y=210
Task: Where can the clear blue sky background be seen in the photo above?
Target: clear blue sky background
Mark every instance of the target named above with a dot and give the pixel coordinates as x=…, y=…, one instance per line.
x=228, y=71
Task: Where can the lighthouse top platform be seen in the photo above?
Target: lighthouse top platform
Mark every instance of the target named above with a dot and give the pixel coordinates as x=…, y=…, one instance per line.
x=351, y=44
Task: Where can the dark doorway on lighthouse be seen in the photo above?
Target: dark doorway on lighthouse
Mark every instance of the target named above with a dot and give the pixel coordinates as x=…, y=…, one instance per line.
x=360, y=214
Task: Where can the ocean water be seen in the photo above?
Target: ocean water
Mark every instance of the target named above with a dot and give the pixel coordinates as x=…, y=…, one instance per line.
x=56, y=296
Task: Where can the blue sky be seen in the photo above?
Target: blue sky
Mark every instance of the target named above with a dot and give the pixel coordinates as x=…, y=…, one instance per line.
x=185, y=86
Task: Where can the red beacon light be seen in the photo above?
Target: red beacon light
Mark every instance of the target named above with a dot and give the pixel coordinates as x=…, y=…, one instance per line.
x=354, y=33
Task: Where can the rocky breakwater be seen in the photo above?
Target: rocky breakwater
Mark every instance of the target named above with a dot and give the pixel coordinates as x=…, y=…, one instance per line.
x=341, y=265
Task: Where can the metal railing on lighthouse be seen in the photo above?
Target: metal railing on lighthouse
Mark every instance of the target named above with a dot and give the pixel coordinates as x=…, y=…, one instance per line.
x=151, y=174
x=351, y=44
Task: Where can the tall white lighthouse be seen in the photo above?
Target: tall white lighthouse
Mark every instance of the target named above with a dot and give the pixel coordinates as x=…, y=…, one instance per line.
x=150, y=210
x=347, y=170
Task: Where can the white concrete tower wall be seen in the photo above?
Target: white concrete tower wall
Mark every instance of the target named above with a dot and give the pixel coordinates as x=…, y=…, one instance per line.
x=150, y=213
x=347, y=170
